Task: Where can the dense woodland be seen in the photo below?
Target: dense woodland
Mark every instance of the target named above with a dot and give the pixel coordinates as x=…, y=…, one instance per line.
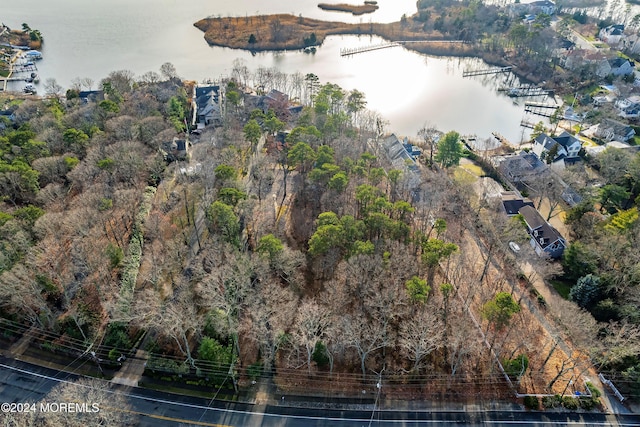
x=304, y=257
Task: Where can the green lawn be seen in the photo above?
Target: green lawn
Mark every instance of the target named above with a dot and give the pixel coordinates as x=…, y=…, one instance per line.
x=562, y=287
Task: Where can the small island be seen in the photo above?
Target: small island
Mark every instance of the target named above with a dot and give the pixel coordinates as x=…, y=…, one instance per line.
x=367, y=7
x=289, y=32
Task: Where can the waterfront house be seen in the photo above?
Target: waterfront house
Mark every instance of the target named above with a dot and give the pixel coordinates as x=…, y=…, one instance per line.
x=276, y=100
x=519, y=167
x=91, y=95
x=579, y=58
x=206, y=106
x=545, y=240
x=7, y=117
x=512, y=202
x=612, y=35
x=555, y=149
x=398, y=154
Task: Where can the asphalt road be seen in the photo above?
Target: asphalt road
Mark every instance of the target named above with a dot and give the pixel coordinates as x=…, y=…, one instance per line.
x=22, y=382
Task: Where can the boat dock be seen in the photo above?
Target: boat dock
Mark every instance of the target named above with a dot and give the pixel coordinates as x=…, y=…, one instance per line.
x=540, y=109
x=369, y=48
x=527, y=124
x=504, y=141
x=486, y=71
x=525, y=91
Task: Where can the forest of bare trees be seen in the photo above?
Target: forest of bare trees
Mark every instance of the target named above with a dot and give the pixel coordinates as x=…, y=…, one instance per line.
x=303, y=257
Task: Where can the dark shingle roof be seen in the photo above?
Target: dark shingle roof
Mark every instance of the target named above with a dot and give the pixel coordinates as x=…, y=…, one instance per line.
x=531, y=216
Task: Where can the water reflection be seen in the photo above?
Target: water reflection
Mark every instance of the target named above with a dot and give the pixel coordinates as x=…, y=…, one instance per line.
x=408, y=89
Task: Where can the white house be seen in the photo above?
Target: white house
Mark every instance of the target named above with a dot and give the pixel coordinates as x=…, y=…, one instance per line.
x=629, y=108
x=616, y=66
x=612, y=35
x=542, y=6
x=563, y=146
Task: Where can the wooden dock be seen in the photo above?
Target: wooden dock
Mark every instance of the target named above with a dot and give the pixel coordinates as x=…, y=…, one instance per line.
x=525, y=91
x=486, y=71
x=368, y=48
x=17, y=55
x=539, y=109
x=504, y=141
x=527, y=124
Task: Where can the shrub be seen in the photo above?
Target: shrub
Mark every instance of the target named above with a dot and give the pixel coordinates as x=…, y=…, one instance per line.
x=594, y=390
x=517, y=366
x=320, y=354
x=588, y=403
x=531, y=402
x=551, y=401
x=117, y=336
x=115, y=254
x=570, y=403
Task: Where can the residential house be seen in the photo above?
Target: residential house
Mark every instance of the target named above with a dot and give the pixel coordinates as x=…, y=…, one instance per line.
x=578, y=58
x=542, y=6
x=613, y=130
x=545, y=239
x=398, y=154
x=532, y=8
x=615, y=66
x=520, y=167
x=631, y=44
x=177, y=149
x=612, y=35
x=274, y=99
x=206, y=106
x=628, y=108
x=564, y=146
x=570, y=196
x=91, y=95
x=596, y=150
x=7, y=117
x=512, y=202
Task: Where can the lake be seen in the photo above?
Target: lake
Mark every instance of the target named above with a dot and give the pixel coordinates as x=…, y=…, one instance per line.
x=91, y=38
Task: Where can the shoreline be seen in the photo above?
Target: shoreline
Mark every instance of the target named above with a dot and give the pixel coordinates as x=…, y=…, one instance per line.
x=296, y=31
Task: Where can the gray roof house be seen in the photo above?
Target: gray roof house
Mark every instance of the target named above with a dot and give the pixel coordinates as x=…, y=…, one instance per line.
x=616, y=66
x=545, y=239
x=397, y=153
x=206, y=106
x=512, y=202
x=612, y=35
x=561, y=147
x=520, y=167
x=613, y=130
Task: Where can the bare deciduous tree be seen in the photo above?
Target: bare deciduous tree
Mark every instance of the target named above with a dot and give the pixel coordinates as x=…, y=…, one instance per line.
x=312, y=321
x=420, y=335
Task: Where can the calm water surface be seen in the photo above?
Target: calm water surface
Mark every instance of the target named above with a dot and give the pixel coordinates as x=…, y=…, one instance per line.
x=90, y=38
